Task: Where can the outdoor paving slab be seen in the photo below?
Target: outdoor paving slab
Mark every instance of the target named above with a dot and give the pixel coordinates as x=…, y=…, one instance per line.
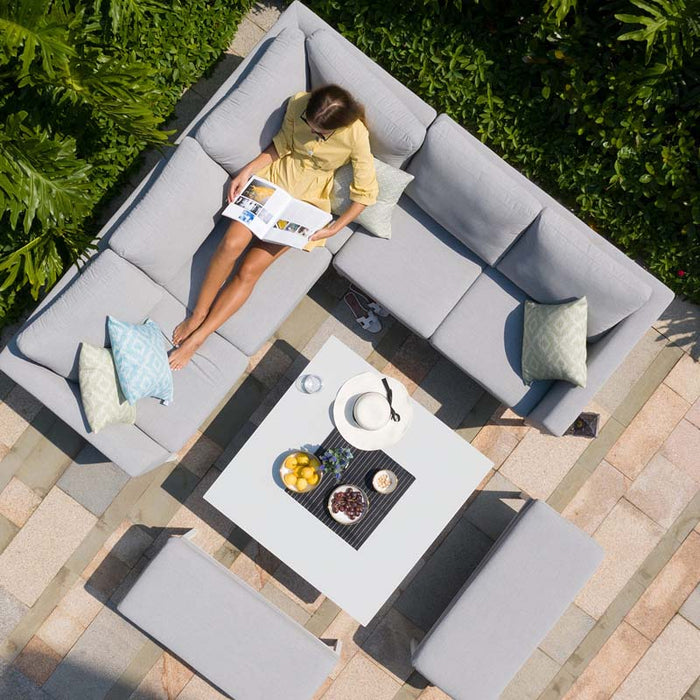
x=199, y=689
x=93, y=480
x=478, y=417
x=662, y=490
x=6, y=385
x=8, y=531
x=615, y=390
x=684, y=379
x=18, y=502
x=389, y=645
x=37, y=661
x=433, y=693
x=11, y=612
x=680, y=322
x=308, y=318
x=533, y=677
x=362, y=678
x=97, y=660
x=668, y=668
x=683, y=449
x=597, y=497
x=16, y=412
x=496, y=443
x=80, y=604
x=668, y=590
x=322, y=617
x=297, y=589
x=265, y=14
x=693, y=414
x=43, y=545
x=627, y=536
x=248, y=34
x=567, y=634
x=60, y=631
x=128, y=542
x=495, y=506
x=648, y=431
x=276, y=596
x=351, y=636
x=540, y=462
x=15, y=685
x=164, y=681
x=445, y=572
x=691, y=608
x=255, y=565
x=271, y=367
x=412, y=362
x=611, y=665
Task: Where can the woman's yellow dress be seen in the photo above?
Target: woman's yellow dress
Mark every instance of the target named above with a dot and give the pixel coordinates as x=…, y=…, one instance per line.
x=306, y=163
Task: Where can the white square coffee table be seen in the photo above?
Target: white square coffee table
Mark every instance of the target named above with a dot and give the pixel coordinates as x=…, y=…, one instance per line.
x=446, y=468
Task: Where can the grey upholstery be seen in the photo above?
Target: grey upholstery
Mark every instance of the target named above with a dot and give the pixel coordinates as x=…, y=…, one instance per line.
x=554, y=262
x=109, y=285
x=274, y=296
x=175, y=215
x=508, y=605
x=199, y=387
x=395, y=133
x=245, y=121
x=460, y=187
x=483, y=335
x=224, y=629
x=420, y=273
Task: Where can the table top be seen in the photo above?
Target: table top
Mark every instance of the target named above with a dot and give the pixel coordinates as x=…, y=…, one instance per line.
x=250, y=493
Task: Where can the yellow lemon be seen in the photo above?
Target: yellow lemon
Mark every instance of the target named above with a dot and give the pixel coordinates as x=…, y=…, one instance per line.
x=302, y=459
x=290, y=462
x=313, y=480
x=315, y=462
x=307, y=472
x=301, y=484
x=290, y=479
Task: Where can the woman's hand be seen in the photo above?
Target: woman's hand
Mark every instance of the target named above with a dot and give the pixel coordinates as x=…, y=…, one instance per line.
x=237, y=184
x=325, y=232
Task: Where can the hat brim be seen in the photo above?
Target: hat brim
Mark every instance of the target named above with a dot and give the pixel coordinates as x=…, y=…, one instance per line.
x=363, y=439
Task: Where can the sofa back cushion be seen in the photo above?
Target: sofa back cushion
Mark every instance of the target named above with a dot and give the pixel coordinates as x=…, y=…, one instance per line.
x=109, y=285
x=177, y=212
x=395, y=133
x=245, y=121
x=554, y=262
x=459, y=183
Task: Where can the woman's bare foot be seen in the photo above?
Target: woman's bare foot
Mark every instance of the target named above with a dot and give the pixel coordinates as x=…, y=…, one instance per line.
x=185, y=329
x=182, y=354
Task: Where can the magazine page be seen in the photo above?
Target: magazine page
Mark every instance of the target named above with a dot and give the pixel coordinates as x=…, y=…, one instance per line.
x=297, y=223
x=258, y=205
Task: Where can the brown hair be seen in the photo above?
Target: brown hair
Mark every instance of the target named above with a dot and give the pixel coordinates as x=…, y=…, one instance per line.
x=331, y=107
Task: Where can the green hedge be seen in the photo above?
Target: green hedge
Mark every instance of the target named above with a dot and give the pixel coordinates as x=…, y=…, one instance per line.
x=606, y=127
x=84, y=88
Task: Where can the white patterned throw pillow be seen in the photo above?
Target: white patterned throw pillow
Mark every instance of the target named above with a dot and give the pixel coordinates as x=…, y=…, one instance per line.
x=376, y=218
x=141, y=360
x=554, y=342
x=103, y=400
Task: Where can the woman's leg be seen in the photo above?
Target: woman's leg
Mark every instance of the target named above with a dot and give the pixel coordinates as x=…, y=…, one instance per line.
x=230, y=299
x=227, y=252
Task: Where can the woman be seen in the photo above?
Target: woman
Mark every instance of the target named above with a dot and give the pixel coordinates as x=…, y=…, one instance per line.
x=322, y=131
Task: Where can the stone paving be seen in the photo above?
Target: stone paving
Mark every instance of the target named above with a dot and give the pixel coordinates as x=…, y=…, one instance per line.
x=75, y=532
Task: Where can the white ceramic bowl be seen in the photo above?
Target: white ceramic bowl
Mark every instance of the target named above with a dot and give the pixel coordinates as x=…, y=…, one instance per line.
x=371, y=411
x=392, y=478
x=340, y=517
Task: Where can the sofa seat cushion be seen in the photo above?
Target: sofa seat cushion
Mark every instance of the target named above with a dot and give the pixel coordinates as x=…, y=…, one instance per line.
x=506, y=608
x=166, y=226
x=418, y=275
x=198, y=388
x=274, y=297
x=555, y=261
x=245, y=121
x=468, y=190
x=395, y=132
x=223, y=629
x=108, y=286
x=483, y=335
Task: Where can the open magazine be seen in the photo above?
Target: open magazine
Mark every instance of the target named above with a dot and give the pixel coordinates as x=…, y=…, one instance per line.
x=274, y=215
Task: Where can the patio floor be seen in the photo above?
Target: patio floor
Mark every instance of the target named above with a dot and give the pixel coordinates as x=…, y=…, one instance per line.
x=75, y=532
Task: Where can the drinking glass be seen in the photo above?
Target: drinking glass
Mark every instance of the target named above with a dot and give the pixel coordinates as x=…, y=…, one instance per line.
x=309, y=383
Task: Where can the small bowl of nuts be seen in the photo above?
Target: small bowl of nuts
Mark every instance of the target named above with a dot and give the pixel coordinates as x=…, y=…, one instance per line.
x=384, y=481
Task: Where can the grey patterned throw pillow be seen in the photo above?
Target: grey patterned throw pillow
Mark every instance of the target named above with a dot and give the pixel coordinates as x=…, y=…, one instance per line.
x=554, y=342
x=102, y=397
x=377, y=217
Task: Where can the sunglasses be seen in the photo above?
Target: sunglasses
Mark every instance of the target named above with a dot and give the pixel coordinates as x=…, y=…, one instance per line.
x=317, y=134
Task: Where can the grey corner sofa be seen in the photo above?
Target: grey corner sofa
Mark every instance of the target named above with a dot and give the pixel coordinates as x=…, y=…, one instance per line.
x=520, y=589
x=472, y=239
x=223, y=628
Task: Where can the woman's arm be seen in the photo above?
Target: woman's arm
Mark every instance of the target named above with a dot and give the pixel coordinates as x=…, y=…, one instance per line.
x=258, y=163
x=349, y=215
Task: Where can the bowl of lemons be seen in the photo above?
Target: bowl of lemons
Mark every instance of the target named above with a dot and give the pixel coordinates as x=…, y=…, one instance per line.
x=300, y=472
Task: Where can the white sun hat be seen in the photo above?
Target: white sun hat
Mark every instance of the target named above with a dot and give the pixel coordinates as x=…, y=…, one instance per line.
x=362, y=415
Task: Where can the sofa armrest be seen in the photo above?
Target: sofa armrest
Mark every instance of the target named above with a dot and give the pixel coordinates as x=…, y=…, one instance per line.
x=562, y=404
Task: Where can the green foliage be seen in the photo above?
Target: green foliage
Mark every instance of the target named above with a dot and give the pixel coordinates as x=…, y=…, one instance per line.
x=85, y=86
x=609, y=130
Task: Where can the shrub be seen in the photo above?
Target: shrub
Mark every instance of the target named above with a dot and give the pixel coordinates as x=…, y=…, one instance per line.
x=84, y=88
x=584, y=101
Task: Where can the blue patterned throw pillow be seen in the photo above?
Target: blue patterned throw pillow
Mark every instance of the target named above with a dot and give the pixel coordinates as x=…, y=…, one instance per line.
x=141, y=360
